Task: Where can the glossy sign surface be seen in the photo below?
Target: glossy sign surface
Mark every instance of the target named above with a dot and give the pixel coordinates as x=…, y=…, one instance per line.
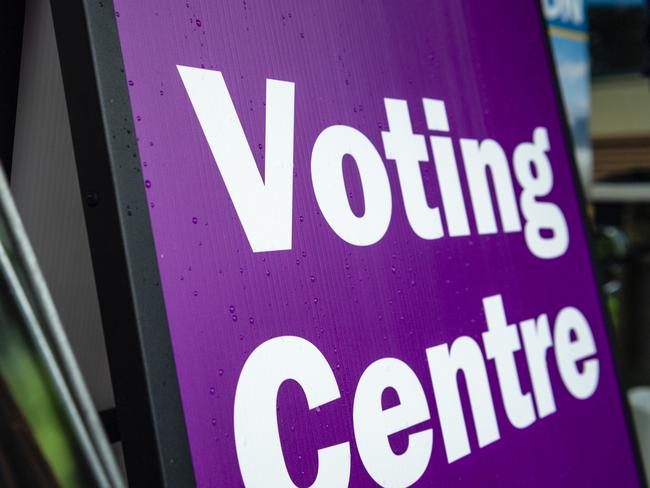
x=325, y=231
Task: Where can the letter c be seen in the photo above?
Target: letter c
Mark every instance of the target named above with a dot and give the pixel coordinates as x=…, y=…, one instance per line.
x=257, y=437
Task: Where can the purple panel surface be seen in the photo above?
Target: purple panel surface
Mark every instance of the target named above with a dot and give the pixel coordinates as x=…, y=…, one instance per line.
x=398, y=297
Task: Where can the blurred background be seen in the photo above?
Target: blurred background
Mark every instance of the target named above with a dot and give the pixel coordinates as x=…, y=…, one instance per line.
x=602, y=54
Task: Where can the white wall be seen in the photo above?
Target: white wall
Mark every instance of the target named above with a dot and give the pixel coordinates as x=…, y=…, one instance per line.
x=46, y=190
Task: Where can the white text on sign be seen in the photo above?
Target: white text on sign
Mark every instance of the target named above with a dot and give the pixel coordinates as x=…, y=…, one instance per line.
x=264, y=203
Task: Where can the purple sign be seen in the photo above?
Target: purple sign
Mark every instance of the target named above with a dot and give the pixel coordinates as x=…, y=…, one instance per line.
x=371, y=246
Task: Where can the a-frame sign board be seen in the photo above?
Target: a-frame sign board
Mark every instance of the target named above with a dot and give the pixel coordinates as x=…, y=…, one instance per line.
x=340, y=244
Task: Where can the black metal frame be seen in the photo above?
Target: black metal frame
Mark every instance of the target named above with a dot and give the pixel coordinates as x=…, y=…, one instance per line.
x=149, y=410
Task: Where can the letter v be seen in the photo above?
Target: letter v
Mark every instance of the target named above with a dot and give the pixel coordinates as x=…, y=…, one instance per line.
x=264, y=206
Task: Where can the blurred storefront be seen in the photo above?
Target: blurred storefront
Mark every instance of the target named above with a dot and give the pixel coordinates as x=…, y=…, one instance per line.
x=620, y=193
x=601, y=53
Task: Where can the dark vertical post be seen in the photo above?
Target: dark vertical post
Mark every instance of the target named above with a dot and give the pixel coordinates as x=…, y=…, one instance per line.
x=12, y=17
